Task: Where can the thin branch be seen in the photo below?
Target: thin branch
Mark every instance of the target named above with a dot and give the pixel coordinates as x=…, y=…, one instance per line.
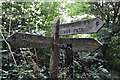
x=36, y=56
x=22, y=54
x=8, y=47
x=116, y=11
x=118, y=22
x=100, y=10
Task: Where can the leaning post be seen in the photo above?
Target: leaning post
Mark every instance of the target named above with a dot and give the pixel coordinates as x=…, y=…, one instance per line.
x=54, y=59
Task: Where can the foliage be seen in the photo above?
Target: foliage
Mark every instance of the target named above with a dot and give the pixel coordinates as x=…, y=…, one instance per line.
x=37, y=18
x=30, y=17
x=109, y=35
x=109, y=12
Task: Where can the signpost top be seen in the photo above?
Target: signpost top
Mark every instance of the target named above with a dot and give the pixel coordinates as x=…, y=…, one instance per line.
x=81, y=27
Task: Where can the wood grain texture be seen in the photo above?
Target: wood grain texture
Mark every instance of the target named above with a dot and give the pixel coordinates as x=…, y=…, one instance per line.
x=54, y=58
x=81, y=27
x=81, y=44
x=23, y=40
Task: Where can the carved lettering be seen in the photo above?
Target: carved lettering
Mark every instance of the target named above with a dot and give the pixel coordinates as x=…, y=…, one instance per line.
x=65, y=31
x=65, y=46
x=86, y=22
x=78, y=30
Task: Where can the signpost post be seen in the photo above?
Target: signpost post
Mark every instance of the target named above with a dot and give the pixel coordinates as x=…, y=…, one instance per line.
x=23, y=40
x=54, y=59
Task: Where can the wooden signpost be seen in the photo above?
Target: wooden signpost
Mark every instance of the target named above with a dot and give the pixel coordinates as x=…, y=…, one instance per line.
x=81, y=27
x=87, y=44
x=23, y=40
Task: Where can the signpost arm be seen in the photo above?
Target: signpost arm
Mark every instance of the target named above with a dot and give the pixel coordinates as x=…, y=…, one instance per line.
x=54, y=59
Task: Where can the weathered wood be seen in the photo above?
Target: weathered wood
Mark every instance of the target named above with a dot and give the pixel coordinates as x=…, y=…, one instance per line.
x=54, y=59
x=81, y=27
x=81, y=44
x=24, y=40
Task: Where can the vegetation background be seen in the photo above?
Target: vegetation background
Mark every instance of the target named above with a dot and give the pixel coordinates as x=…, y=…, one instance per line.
x=37, y=18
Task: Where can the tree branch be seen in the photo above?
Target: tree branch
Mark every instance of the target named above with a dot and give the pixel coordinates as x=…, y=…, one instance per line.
x=8, y=47
x=100, y=10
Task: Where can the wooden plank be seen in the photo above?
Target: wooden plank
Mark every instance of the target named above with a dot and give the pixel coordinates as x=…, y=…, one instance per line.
x=54, y=58
x=81, y=44
x=81, y=27
x=24, y=40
